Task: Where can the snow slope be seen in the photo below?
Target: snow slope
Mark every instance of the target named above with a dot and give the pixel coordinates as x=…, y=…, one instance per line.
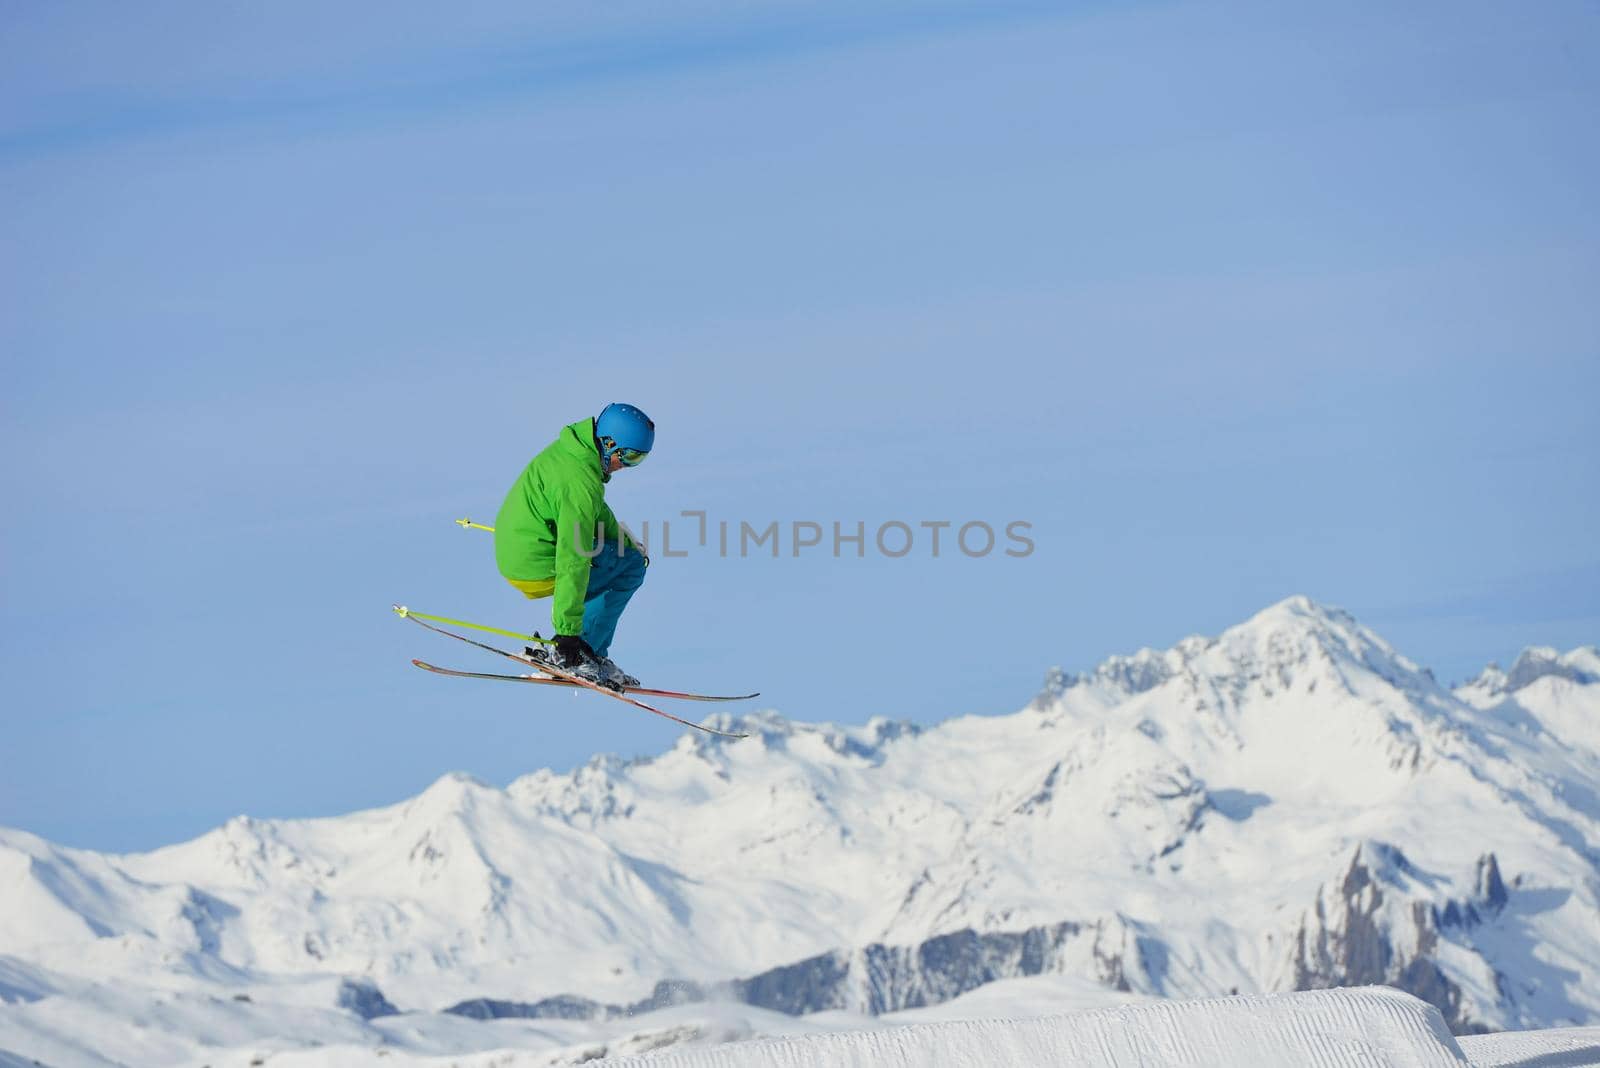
x=1290, y=805
x=1356, y=1027
x=1561, y=1047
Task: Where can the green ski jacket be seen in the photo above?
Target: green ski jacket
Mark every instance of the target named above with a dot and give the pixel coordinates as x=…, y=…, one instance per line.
x=544, y=533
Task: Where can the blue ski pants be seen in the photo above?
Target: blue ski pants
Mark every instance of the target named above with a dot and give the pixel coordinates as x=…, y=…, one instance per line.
x=613, y=578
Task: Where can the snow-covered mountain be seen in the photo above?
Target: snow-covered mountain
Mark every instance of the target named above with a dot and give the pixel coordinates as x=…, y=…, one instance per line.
x=1290, y=805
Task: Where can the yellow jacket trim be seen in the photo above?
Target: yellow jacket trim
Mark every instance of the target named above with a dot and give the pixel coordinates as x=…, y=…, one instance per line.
x=534, y=588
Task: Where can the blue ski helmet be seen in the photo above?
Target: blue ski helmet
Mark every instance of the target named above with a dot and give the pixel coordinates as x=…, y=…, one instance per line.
x=624, y=431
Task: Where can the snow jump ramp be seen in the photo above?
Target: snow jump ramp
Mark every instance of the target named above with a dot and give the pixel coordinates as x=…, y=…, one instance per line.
x=1367, y=1027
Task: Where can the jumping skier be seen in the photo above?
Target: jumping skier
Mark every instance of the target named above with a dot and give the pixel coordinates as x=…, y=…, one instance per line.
x=555, y=535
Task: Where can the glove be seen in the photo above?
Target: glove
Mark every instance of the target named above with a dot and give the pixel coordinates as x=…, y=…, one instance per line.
x=572, y=649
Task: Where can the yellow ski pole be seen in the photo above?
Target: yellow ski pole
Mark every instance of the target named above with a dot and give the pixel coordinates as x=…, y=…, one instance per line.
x=404, y=613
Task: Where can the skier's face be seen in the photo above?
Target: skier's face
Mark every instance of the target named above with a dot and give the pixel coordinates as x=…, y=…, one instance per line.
x=616, y=463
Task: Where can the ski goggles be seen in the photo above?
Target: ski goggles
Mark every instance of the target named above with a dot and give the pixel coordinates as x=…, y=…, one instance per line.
x=631, y=457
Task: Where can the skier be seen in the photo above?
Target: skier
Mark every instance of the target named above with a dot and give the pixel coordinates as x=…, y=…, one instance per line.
x=555, y=535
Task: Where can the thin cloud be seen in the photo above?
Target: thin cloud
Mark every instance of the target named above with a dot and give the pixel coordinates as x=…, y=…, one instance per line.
x=471, y=75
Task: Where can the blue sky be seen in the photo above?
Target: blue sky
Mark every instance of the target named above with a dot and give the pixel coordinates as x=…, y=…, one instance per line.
x=1230, y=302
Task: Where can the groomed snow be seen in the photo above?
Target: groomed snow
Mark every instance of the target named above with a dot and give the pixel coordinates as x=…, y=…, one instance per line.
x=1561, y=1047
x=1327, y=1028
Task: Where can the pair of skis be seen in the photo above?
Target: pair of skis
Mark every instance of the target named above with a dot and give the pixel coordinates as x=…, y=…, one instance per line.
x=550, y=675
